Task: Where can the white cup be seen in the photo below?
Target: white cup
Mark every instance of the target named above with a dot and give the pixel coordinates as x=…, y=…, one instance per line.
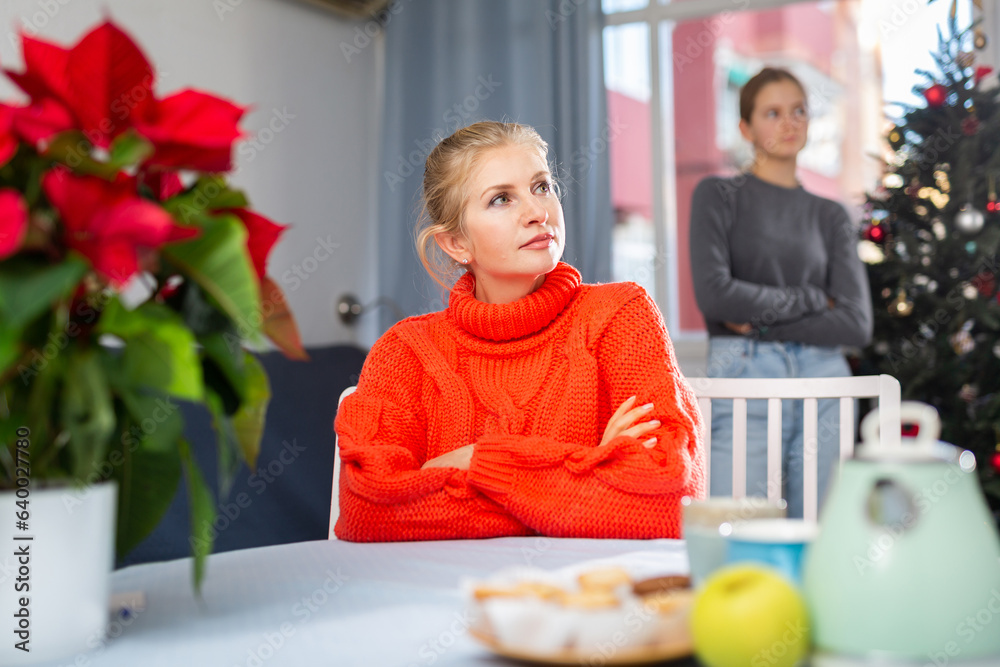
x=708, y=523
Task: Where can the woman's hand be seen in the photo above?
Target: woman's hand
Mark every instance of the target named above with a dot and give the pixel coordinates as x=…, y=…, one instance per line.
x=741, y=329
x=623, y=422
x=457, y=458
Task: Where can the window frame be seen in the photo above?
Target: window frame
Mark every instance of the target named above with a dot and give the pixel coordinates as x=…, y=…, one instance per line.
x=658, y=17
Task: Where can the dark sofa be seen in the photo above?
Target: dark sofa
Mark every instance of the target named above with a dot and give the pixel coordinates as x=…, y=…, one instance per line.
x=287, y=497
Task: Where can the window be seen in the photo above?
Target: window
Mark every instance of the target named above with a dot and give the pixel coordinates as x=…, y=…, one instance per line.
x=673, y=72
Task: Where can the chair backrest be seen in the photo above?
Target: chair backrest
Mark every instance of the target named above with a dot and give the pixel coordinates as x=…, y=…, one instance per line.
x=335, y=495
x=883, y=387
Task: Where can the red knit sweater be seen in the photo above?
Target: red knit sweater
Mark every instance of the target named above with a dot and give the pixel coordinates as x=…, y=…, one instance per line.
x=532, y=384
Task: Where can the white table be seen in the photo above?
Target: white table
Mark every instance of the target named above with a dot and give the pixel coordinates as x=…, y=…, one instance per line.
x=337, y=603
x=327, y=603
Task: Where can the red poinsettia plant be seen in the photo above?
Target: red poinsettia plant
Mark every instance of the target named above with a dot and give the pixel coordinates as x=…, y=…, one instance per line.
x=131, y=276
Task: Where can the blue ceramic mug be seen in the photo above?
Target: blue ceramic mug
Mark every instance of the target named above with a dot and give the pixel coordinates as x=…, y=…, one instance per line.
x=780, y=543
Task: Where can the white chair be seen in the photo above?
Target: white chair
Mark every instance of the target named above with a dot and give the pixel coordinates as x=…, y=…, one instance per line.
x=335, y=495
x=883, y=387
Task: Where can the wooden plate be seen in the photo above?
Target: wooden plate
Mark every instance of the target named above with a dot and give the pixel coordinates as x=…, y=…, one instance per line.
x=640, y=655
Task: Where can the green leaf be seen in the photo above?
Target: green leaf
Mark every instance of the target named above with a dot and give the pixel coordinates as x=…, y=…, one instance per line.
x=210, y=193
x=28, y=289
x=148, y=477
x=248, y=422
x=156, y=422
x=10, y=348
x=87, y=413
x=227, y=448
x=218, y=260
x=72, y=149
x=159, y=350
x=225, y=353
x=202, y=514
x=128, y=149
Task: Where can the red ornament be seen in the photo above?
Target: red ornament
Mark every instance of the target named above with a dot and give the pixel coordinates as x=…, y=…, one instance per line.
x=935, y=95
x=970, y=125
x=993, y=206
x=875, y=233
x=982, y=72
x=995, y=462
x=985, y=282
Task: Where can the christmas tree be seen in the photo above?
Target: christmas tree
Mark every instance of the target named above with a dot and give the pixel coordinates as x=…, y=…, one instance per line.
x=931, y=237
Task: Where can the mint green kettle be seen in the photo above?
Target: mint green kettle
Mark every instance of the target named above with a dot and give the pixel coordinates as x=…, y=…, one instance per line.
x=907, y=561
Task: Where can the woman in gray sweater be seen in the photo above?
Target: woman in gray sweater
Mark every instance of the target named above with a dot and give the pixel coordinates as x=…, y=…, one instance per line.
x=777, y=276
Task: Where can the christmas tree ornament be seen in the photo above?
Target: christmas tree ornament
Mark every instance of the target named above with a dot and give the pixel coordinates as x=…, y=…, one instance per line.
x=970, y=247
x=935, y=95
x=966, y=58
x=940, y=231
x=932, y=286
x=941, y=178
x=995, y=461
x=892, y=181
x=895, y=138
x=961, y=341
x=870, y=253
x=875, y=233
x=953, y=273
x=980, y=41
x=982, y=72
x=969, y=291
x=985, y=283
x=970, y=125
x=969, y=220
x=901, y=306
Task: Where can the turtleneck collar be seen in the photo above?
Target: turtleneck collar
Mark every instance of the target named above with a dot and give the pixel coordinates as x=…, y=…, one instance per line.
x=509, y=321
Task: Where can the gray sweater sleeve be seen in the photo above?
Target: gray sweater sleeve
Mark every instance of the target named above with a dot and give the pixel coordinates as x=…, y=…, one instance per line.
x=850, y=321
x=720, y=296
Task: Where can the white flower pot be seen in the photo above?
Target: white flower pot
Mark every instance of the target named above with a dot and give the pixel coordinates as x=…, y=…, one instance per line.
x=55, y=587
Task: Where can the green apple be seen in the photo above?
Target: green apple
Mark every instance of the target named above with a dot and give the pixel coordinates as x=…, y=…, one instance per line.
x=749, y=615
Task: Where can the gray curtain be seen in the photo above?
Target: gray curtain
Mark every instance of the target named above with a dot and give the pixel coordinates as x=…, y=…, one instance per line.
x=450, y=63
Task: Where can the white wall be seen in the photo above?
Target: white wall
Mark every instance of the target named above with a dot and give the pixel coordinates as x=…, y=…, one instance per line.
x=314, y=119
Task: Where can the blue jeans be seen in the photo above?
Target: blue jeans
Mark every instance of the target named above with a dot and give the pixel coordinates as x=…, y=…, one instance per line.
x=737, y=357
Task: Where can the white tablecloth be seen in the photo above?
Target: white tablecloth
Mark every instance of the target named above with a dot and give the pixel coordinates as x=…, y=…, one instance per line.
x=341, y=603
x=327, y=603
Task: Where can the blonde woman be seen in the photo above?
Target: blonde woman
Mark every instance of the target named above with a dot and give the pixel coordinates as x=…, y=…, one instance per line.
x=534, y=404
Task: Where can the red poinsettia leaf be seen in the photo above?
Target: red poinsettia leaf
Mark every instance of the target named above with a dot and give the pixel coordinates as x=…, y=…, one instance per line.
x=141, y=222
x=110, y=82
x=8, y=142
x=79, y=198
x=279, y=325
x=109, y=223
x=44, y=73
x=163, y=184
x=115, y=259
x=39, y=121
x=193, y=130
x=13, y=221
x=262, y=234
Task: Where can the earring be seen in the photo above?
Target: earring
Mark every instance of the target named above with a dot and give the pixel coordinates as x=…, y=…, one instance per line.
x=465, y=260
